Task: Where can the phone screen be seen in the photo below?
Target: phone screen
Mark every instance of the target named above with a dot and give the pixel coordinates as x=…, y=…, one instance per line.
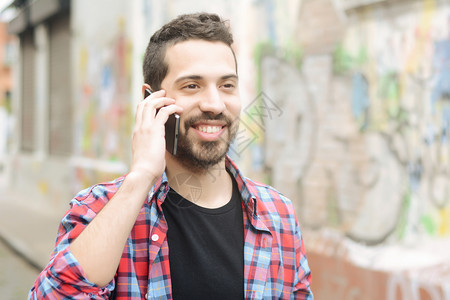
x=172, y=129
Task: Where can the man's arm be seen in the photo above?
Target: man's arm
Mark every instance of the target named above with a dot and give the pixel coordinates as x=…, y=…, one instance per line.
x=99, y=247
x=63, y=276
x=93, y=233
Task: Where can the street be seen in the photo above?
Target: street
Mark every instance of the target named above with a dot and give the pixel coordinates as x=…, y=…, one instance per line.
x=16, y=276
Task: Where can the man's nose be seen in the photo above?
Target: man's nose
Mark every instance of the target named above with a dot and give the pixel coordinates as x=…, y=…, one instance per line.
x=212, y=101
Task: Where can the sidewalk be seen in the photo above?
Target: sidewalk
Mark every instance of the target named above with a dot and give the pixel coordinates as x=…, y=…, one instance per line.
x=30, y=231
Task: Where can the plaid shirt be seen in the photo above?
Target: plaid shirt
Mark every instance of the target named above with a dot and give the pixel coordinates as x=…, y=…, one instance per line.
x=275, y=264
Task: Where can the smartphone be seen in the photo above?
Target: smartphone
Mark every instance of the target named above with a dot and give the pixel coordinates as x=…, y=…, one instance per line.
x=172, y=129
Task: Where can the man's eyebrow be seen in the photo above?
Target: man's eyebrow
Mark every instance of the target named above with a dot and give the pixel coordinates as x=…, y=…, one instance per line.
x=188, y=77
x=198, y=77
x=231, y=76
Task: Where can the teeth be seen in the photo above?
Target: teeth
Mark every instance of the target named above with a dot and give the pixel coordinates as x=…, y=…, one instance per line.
x=209, y=129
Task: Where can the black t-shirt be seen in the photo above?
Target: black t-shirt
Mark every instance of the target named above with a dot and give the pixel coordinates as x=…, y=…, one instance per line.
x=206, y=248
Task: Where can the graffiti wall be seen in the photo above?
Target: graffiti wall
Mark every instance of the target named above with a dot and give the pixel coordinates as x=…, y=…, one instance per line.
x=364, y=141
x=362, y=146
x=346, y=110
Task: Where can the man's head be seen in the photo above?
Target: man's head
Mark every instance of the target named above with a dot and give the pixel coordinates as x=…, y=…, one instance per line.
x=199, y=26
x=191, y=59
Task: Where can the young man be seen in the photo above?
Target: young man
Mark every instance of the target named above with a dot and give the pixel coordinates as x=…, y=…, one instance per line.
x=147, y=235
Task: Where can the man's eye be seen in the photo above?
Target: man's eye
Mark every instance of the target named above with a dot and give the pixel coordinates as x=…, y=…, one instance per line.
x=229, y=86
x=191, y=86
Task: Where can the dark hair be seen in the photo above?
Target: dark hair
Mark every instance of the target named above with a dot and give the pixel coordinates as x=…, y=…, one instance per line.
x=201, y=26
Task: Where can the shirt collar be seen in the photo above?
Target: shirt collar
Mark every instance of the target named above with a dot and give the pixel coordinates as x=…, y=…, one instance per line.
x=247, y=195
x=161, y=188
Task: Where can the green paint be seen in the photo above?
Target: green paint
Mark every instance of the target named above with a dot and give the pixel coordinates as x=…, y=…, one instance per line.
x=334, y=219
x=403, y=215
x=363, y=56
x=291, y=53
x=344, y=62
x=262, y=49
x=429, y=224
x=389, y=92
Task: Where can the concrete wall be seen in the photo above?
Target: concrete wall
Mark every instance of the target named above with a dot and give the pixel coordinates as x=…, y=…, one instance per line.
x=7, y=43
x=36, y=178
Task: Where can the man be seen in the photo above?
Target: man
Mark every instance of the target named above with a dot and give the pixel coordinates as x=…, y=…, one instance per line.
x=147, y=235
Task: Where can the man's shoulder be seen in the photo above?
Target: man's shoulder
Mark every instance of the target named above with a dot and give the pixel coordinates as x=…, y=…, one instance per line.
x=265, y=192
x=270, y=201
x=275, y=209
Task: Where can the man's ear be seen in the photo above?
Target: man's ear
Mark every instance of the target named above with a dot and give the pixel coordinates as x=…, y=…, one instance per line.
x=145, y=86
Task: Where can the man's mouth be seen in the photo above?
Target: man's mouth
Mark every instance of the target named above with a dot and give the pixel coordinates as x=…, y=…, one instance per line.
x=208, y=129
x=209, y=132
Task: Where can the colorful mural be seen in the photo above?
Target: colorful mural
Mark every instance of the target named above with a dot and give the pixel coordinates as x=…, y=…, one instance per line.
x=372, y=156
x=362, y=146
x=107, y=117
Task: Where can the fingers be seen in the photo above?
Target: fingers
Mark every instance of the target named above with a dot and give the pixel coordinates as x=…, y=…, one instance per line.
x=147, y=109
x=164, y=113
x=144, y=105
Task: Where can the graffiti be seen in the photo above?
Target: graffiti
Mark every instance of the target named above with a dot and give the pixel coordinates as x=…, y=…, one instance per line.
x=410, y=285
x=104, y=75
x=382, y=124
x=360, y=100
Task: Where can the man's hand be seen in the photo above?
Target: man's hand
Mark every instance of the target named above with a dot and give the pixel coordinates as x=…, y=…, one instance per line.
x=148, y=143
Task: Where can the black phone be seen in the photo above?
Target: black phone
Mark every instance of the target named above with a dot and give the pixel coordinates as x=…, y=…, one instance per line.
x=172, y=129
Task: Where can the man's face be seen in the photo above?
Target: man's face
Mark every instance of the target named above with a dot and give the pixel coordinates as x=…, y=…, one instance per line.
x=202, y=79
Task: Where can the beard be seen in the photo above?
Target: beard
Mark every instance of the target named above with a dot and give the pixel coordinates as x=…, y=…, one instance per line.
x=200, y=156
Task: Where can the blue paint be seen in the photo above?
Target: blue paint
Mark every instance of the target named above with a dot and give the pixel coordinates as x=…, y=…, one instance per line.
x=360, y=98
x=257, y=157
x=441, y=64
x=440, y=95
x=271, y=23
x=107, y=76
x=415, y=170
x=429, y=134
x=445, y=137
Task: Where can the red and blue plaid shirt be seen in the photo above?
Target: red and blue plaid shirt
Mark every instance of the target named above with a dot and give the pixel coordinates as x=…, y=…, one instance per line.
x=275, y=264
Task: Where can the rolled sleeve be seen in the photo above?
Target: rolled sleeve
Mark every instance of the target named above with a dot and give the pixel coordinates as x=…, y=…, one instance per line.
x=63, y=278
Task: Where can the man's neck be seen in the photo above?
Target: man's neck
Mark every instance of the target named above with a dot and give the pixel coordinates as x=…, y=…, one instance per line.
x=211, y=188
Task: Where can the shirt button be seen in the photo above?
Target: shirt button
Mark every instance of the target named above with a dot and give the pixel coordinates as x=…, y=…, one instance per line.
x=146, y=296
x=161, y=188
x=155, y=237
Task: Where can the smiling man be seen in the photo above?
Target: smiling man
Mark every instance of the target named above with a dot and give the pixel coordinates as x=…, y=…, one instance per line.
x=146, y=234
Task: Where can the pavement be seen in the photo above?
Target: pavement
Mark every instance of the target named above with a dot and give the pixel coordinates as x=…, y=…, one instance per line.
x=27, y=229
x=16, y=276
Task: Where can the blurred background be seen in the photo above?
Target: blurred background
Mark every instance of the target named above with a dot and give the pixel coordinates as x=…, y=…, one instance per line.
x=346, y=110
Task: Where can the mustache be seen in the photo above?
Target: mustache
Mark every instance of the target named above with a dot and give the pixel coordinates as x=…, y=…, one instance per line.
x=207, y=117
